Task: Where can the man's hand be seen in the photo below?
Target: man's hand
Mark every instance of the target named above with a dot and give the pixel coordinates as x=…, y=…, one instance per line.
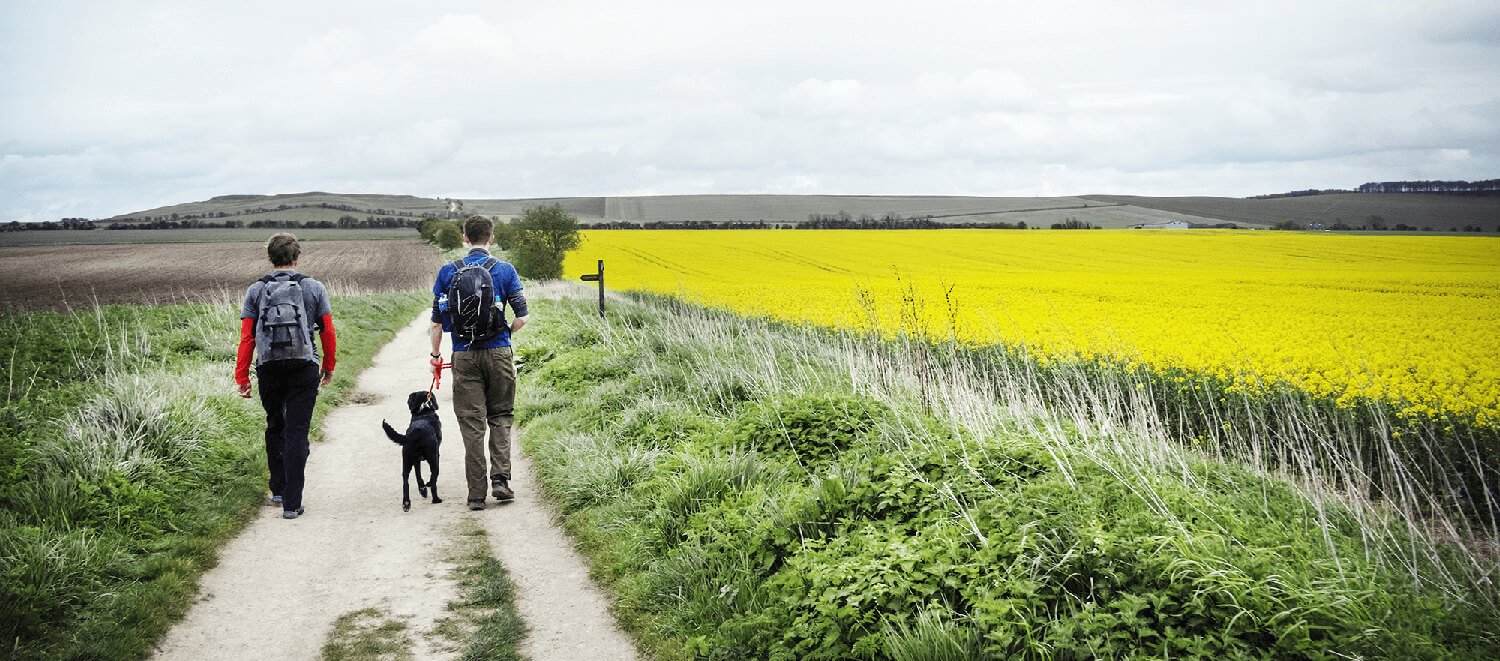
x=436, y=364
x=326, y=377
x=244, y=389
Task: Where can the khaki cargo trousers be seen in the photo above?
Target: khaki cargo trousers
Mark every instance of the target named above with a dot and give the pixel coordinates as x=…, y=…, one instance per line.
x=484, y=395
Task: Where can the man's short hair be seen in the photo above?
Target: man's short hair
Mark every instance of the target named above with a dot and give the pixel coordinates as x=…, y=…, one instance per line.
x=479, y=230
x=282, y=249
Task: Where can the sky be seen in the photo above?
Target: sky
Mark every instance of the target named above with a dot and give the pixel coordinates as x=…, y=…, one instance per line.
x=113, y=107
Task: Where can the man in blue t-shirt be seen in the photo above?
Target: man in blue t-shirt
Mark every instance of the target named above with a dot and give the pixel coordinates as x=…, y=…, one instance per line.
x=484, y=376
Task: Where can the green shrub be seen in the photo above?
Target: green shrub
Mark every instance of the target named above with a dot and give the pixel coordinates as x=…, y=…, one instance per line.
x=540, y=239
x=448, y=237
x=810, y=428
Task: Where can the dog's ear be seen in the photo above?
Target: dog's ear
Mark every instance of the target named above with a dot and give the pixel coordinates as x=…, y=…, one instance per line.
x=416, y=400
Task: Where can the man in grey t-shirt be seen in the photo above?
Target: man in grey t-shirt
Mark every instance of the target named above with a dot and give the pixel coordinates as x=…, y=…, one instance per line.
x=281, y=314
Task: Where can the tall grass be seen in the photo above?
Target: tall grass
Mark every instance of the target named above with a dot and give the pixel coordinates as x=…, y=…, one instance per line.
x=127, y=458
x=757, y=490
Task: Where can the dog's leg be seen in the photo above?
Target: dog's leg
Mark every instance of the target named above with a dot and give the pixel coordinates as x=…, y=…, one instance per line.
x=432, y=481
x=406, y=486
x=416, y=464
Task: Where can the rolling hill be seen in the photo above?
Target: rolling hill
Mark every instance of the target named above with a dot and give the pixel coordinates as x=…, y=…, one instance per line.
x=1440, y=212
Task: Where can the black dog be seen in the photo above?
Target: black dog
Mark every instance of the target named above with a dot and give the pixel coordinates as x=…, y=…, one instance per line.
x=420, y=442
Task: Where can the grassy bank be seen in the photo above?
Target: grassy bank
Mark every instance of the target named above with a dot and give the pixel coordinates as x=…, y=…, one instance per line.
x=750, y=490
x=127, y=460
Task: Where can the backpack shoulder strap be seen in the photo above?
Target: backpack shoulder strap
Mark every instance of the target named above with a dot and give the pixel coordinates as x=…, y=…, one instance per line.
x=490, y=263
x=295, y=277
x=457, y=264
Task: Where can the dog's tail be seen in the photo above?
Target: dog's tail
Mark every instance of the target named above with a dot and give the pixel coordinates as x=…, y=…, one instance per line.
x=393, y=434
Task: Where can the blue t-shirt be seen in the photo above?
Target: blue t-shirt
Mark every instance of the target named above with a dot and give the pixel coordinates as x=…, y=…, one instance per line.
x=507, y=287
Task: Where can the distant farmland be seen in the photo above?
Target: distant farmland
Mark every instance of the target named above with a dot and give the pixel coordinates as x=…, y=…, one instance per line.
x=204, y=235
x=74, y=277
x=1437, y=211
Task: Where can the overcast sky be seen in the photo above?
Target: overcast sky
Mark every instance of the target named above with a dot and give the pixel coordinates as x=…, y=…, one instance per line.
x=111, y=107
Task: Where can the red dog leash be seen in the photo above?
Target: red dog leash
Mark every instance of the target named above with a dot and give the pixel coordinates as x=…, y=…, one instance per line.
x=437, y=374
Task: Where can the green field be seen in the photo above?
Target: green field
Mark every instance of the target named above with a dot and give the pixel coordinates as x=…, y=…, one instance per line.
x=209, y=235
x=1440, y=212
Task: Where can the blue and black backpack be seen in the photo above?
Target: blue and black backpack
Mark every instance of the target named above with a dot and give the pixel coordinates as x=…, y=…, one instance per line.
x=471, y=303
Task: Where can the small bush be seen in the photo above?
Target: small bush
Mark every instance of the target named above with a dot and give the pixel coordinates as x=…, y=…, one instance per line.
x=448, y=237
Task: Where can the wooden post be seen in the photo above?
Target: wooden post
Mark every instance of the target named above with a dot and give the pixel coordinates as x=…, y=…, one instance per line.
x=599, y=277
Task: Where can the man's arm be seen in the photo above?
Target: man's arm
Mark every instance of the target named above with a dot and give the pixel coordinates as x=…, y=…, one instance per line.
x=436, y=333
x=330, y=347
x=517, y=301
x=243, y=355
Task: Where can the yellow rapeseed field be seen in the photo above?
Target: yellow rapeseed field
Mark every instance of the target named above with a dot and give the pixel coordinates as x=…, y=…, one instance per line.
x=1412, y=320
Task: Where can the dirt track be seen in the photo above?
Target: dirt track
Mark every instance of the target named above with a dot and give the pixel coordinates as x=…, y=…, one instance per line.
x=281, y=584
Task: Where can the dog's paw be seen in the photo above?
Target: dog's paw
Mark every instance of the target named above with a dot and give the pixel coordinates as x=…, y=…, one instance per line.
x=435, y=499
x=423, y=491
x=406, y=506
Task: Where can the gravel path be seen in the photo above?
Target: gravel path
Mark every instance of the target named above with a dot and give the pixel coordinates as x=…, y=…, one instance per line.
x=281, y=584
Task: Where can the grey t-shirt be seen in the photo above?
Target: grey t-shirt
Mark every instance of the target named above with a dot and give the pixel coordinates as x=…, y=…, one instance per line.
x=314, y=301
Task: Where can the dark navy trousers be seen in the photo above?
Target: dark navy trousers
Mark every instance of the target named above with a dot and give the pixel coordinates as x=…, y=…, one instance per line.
x=288, y=390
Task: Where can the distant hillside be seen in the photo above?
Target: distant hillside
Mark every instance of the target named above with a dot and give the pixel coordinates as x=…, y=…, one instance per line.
x=673, y=209
x=1440, y=212
x=1437, y=211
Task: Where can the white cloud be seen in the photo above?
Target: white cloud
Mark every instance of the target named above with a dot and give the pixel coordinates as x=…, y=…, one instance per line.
x=120, y=108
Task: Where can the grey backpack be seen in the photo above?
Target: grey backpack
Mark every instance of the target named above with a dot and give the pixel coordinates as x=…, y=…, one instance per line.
x=284, y=331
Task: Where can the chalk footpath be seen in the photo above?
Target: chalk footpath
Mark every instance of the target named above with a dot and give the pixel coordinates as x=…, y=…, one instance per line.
x=281, y=584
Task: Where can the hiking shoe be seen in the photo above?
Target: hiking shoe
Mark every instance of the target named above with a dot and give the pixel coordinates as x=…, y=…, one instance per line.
x=476, y=504
x=500, y=488
x=292, y=514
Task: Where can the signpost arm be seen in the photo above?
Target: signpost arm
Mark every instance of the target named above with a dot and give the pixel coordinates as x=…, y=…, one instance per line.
x=598, y=277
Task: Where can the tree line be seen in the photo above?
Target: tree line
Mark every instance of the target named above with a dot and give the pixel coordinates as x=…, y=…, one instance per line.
x=842, y=220
x=1486, y=187
x=1373, y=223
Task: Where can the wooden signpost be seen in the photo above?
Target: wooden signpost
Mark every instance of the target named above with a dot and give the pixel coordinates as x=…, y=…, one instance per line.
x=598, y=277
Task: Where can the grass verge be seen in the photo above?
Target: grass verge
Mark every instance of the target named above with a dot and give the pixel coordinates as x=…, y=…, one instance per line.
x=126, y=460
x=750, y=490
x=484, y=621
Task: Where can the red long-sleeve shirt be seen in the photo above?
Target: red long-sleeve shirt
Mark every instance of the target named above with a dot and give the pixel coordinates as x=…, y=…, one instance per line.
x=247, y=348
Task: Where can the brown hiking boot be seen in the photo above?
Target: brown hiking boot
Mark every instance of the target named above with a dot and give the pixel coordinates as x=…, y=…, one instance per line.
x=500, y=488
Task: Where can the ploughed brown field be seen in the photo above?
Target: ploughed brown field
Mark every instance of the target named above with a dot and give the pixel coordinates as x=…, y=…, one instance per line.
x=74, y=277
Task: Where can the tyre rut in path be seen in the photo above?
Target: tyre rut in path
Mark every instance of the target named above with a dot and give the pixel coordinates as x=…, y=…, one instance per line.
x=280, y=585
